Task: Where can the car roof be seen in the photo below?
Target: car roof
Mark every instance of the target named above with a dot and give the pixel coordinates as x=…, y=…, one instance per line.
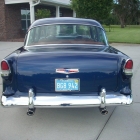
x=65, y=20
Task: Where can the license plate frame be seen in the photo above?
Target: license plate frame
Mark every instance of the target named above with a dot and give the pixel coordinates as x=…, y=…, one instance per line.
x=67, y=80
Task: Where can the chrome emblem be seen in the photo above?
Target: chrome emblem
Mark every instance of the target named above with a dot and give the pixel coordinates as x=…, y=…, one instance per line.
x=67, y=71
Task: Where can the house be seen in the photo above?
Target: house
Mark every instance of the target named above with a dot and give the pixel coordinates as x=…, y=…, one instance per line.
x=17, y=15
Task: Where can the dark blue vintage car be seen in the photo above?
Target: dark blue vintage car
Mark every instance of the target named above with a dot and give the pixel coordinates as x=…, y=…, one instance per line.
x=66, y=62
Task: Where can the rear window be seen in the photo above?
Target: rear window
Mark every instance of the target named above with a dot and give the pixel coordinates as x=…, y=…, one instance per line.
x=66, y=34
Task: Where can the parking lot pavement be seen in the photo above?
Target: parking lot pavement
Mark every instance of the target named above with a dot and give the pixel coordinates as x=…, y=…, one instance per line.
x=8, y=47
x=122, y=123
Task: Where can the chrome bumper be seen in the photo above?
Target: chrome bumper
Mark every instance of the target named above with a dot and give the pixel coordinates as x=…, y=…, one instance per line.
x=67, y=101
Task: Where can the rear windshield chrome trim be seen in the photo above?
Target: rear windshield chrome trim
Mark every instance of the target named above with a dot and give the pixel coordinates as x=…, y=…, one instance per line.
x=26, y=47
x=65, y=23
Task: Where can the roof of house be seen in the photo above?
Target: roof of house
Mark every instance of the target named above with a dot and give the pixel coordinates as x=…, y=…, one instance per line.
x=67, y=2
x=61, y=2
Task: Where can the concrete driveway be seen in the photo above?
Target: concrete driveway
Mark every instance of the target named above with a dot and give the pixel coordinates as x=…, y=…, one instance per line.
x=122, y=123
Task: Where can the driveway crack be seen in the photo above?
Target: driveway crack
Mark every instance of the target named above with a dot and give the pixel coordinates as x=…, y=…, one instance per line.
x=105, y=124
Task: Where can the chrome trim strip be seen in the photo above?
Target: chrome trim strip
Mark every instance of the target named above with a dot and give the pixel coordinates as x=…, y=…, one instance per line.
x=66, y=71
x=67, y=101
x=61, y=23
x=46, y=45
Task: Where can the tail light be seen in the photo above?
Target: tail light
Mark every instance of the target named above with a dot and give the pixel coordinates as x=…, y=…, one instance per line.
x=5, y=69
x=128, y=68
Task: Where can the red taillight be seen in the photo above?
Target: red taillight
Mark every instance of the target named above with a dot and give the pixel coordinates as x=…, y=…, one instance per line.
x=4, y=65
x=129, y=64
x=128, y=68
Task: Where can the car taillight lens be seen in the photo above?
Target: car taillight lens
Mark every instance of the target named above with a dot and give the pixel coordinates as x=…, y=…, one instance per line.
x=128, y=67
x=129, y=64
x=4, y=65
x=5, y=69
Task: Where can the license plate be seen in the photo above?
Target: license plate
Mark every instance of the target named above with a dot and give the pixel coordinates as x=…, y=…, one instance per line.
x=67, y=84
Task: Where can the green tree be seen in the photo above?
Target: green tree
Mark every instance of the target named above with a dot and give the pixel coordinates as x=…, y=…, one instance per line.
x=94, y=9
x=108, y=21
x=126, y=10
x=42, y=13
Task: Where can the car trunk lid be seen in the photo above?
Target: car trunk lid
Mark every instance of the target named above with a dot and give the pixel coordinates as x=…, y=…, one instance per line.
x=39, y=71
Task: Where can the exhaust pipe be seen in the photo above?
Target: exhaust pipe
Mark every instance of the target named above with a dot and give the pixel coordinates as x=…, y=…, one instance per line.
x=31, y=108
x=30, y=111
x=102, y=107
x=103, y=111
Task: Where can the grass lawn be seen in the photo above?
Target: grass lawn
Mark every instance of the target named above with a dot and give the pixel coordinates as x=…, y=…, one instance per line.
x=129, y=34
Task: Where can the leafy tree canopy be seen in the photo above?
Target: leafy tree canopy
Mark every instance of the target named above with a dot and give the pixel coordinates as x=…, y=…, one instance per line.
x=94, y=9
x=125, y=10
x=42, y=13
